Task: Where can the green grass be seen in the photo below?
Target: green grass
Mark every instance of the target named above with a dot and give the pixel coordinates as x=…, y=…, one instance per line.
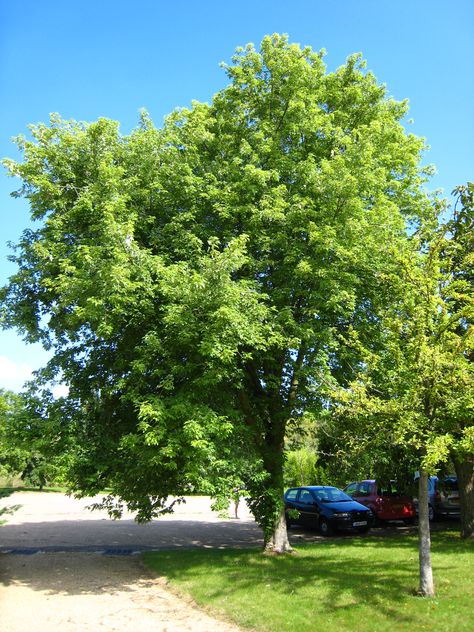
x=6, y=491
x=359, y=584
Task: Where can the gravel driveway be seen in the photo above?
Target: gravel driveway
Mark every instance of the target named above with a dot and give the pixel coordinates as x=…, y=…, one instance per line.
x=72, y=592
x=63, y=568
x=55, y=522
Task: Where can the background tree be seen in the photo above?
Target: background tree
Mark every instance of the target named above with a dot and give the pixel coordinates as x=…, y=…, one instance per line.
x=458, y=262
x=12, y=458
x=193, y=282
x=25, y=445
x=415, y=390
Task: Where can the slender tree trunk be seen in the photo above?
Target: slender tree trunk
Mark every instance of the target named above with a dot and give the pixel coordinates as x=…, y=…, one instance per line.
x=426, y=588
x=465, y=472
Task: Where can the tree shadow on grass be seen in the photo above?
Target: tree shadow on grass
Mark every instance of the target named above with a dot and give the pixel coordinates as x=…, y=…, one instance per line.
x=318, y=580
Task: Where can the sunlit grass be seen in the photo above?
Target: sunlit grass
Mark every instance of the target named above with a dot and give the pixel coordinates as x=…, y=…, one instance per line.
x=56, y=489
x=6, y=491
x=360, y=584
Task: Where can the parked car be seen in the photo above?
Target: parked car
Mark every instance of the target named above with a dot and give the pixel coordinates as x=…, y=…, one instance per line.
x=443, y=497
x=326, y=508
x=386, y=501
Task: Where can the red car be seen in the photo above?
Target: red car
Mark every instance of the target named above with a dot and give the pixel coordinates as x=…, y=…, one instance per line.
x=386, y=502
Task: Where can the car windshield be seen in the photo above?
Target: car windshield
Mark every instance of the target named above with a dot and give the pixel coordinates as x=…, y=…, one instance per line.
x=451, y=485
x=331, y=495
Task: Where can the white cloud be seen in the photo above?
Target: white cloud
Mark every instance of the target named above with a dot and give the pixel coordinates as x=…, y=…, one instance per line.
x=13, y=375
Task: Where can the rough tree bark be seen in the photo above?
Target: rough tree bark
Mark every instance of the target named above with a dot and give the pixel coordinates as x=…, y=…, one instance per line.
x=278, y=542
x=426, y=588
x=465, y=472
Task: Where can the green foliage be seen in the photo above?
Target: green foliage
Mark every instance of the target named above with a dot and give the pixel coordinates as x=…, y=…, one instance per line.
x=302, y=468
x=22, y=448
x=413, y=396
x=194, y=281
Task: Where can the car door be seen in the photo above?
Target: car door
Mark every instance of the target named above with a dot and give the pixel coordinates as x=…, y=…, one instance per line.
x=291, y=502
x=308, y=508
x=365, y=494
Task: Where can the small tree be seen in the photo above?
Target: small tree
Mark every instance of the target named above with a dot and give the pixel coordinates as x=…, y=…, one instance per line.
x=416, y=388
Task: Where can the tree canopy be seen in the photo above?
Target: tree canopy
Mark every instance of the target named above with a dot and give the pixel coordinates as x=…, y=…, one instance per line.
x=194, y=282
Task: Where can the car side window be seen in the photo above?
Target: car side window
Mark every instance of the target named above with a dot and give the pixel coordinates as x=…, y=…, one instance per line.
x=351, y=489
x=291, y=494
x=364, y=489
x=306, y=497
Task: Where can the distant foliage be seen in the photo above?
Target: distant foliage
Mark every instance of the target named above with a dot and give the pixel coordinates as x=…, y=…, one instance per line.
x=24, y=452
x=302, y=468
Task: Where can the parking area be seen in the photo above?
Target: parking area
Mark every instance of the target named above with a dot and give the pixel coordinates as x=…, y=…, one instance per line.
x=55, y=522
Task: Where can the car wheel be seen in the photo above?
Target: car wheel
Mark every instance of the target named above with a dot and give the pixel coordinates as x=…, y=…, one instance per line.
x=409, y=521
x=363, y=529
x=325, y=528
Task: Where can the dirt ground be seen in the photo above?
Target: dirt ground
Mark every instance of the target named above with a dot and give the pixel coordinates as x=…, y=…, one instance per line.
x=45, y=590
x=76, y=592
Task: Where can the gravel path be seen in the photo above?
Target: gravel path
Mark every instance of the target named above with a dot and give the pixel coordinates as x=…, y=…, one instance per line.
x=55, y=522
x=70, y=591
x=79, y=592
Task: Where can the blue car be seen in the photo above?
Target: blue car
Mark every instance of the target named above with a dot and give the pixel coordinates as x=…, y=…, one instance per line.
x=328, y=509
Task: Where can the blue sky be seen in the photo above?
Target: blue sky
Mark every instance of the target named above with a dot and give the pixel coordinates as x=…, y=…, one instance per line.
x=87, y=59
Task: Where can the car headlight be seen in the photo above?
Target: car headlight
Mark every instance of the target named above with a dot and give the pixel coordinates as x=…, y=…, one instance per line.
x=342, y=514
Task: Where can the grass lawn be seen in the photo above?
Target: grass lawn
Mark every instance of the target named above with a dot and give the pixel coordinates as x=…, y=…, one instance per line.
x=364, y=584
x=7, y=491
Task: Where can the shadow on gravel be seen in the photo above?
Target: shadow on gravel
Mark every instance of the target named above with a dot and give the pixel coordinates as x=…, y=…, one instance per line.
x=126, y=535
x=73, y=573
x=121, y=537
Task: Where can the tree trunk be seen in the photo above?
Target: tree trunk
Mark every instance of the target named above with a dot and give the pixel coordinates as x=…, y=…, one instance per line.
x=426, y=588
x=276, y=535
x=465, y=472
x=278, y=541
